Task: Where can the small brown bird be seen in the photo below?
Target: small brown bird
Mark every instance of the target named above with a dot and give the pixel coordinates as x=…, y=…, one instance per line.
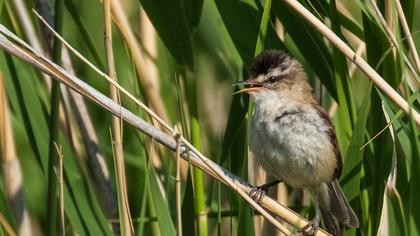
x=294, y=139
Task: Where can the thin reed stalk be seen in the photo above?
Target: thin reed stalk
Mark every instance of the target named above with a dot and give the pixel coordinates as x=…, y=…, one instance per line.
x=358, y=60
x=391, y=37
x=96, y=159
x=54, y=126
x=178, y=184
x=60, y=176
x=151, y=86
x=6, y=226
x=188, y=152
x=116, y=130
x=408, y=34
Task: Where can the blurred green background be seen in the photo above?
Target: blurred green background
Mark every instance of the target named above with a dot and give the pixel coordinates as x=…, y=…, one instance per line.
x=191, y=51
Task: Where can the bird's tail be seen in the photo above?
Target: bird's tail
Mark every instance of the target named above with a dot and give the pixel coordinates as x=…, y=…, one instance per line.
x=339, y=213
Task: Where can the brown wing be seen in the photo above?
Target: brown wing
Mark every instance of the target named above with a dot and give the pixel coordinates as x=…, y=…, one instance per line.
x=333, y=139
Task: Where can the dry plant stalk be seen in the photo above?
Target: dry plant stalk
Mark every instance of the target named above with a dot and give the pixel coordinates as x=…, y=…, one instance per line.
x=116, y=128
x=391, y=183
x=12, y=175
x=60, y=176
x=407, y=32
x=90, y=140
x=30, y=32
x=391, y=37
x=150, y=84
x=177, y=136
x=6, y=226
x=358, y=60
x=188, y=152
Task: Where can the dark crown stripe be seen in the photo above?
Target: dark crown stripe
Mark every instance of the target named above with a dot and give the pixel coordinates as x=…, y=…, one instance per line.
x=267, y=60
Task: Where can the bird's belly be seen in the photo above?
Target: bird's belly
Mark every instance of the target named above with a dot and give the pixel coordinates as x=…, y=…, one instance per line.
x=299, y=157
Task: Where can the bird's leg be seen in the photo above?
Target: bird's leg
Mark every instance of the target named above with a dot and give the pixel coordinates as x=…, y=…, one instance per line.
x=312, y=227
x=258, y=192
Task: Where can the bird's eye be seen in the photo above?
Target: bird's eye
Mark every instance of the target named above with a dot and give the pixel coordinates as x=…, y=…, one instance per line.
x=272, y=79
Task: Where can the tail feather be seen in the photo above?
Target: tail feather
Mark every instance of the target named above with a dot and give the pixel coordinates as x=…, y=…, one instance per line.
x=340, y=207
x=331, y=223
x=336, y=210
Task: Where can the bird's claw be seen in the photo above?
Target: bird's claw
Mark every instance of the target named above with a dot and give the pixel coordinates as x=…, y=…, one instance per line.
x=257, y=193
x=311, y=228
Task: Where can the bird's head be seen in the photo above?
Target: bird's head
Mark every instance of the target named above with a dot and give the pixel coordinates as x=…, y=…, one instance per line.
x=273, y=73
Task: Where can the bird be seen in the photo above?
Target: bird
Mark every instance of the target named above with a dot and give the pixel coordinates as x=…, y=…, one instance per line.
x=294, y=140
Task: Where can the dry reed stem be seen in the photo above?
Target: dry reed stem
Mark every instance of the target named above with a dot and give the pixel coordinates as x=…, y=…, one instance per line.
x=177, y=136
x=147, y=35
x=352, y=68
x=102, y=74
x=393, y=41
x=30, y=32
x=188, y=153
x=383, y=228
x=407, y=32
x=358, y=60
x=12, y=175
x=258, y=176
x=74, y=103
x=150, y=85
x=116, y=127
x=97, y=162
x=90, y=141
x=6, y=226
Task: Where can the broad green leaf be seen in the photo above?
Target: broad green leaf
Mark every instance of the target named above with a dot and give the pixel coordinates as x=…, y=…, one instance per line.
x=193, y=12
x=351, y=174
x=245, y=219
x=244, y=26
x=397, y=224
x=377, y=46
x=188, y=209
x=4, y=207
x=407, y=154
x=321, y=9
x=197, y=174
x=413, y=131
x=245, y=214
x=31, y=109
x=310, y=44
x=36, y=127
x=234, y=127
x=263, y=28
x=409, y=8
x=169, y=20
x=345, y=113
x=378, y=162
x=162, y=210
x=86, y=35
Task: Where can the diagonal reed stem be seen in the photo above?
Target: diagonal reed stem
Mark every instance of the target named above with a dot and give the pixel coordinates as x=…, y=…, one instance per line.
x=358, y=60
x=188, y=152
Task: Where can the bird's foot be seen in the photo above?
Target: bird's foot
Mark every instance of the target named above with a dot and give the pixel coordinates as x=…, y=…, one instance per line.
x=311, y=228
x=258, y=192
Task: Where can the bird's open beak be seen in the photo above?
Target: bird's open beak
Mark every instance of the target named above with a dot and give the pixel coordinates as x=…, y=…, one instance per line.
x=249, y=86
